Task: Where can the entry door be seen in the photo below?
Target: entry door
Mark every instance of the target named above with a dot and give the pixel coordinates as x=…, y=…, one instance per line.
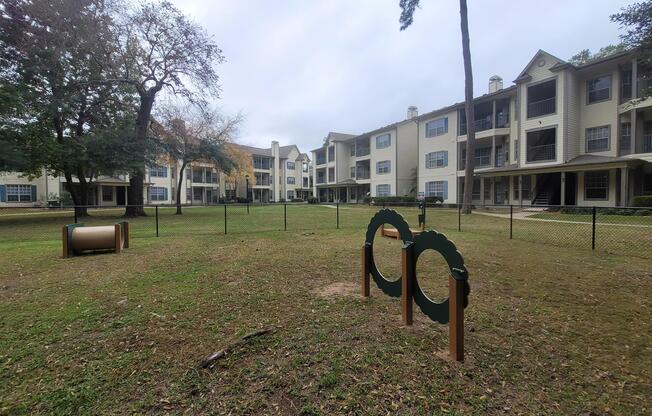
x=120, y=195
x=499, y=193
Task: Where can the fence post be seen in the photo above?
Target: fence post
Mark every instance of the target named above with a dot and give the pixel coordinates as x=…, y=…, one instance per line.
x=285, y=216
x=337, y=210
x=511, y=221
x=156, y=209
x=593, y=231
x=224, y=219
x=74, y=209
x=459, y=217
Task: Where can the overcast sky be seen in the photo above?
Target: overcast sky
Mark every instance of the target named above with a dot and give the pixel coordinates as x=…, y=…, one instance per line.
x=301, y=68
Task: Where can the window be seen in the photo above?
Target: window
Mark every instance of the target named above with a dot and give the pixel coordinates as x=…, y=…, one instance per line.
x=158, y=193
x=541, y=145
x=107, y=194
x=437, y=188
x=320, y=157
x=21, y=193
x=647, y=184
x=596, y=185
x=382, y=167
x=598, y=89
x=305, y=182
x=436, y=160
x=331, y=174
x=353, y=172
x=353, y=149
x=291, y=180
x=383, y=141
x=541, y=98
x=382, y=190
x=516, y=150
x=197, y=194
x=305, y=166
x=437, y=127
x=158, y=171
x=626, y=85
x=483, y=156
x=290, y=195
x=331, y=153
x=290, y=166
x=261, y=162
x=597, y=139
x=625, y=136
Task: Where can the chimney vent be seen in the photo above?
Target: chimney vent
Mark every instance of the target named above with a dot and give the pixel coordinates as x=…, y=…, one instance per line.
x=412, y=112
x=495, y=84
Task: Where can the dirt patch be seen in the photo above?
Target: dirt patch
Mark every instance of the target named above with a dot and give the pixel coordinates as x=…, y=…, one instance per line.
x=339, y=289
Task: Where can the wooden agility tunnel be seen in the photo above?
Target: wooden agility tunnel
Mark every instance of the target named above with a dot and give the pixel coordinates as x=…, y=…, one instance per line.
x=79, y=239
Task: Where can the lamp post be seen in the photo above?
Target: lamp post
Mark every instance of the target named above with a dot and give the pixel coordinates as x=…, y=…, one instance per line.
x=247, y=192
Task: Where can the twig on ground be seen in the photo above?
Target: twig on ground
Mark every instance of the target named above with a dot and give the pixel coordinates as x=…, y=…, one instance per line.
x=222, y=353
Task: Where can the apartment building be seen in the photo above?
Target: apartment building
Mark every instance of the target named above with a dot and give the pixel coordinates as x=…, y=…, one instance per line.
x=203, y=183
x=563, y=134
x=378, y=163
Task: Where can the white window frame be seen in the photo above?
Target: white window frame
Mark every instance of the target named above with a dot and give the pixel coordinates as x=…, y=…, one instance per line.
x=589, y=91
x=593, y=186
x=596, y=134
x=437, y=188
x=435, y=160
x=158, y=171
x=383, y=193
x=383, y=141
x=383, y=167
x=434, y=130
x=22, y=193
x=158, y=193
x=290, y=165
x=291, y=180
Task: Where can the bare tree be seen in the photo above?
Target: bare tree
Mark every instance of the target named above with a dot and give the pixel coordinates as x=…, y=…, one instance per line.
x=190, y=136
x=161, y=49
x=408, y=8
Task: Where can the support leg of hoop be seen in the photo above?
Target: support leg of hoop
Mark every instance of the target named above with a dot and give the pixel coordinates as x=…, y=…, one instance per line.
x=456, y=323
x=366, y=259
x=407, y=282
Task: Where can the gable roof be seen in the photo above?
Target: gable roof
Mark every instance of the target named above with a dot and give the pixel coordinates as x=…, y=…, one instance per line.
x=524, y=73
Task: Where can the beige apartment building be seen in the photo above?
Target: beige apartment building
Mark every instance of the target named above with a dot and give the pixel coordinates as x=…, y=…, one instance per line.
x=561, y=135
x=378, y=163
x=203, y=183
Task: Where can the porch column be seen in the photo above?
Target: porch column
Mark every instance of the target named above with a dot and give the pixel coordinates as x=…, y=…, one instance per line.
x=624, y=187
x=520, y=190
x=481, y=191
x=126, y=195
x=493, y=151
x=100, y=192
x=563, y=189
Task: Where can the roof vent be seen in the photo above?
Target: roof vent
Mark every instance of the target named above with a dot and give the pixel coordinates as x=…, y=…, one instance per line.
x=495, y=84
x=412, y=112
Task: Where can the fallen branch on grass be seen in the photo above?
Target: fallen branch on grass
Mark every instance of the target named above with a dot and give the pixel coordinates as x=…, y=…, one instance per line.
x=222, y=353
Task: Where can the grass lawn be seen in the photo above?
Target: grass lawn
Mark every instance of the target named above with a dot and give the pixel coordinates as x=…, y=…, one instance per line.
x=549, y=330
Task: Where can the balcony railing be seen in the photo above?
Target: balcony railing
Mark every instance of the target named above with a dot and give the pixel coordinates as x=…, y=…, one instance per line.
x=363, y=174
x=647, y=143
x=541, y=153
x=362, y=151
x=480, y=125
x=321, y=160
x=321, y=179
x=541, y=107
x=481, y=162
x=502, y=121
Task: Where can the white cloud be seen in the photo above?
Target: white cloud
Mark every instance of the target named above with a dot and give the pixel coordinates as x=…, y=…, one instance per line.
x=299, y=69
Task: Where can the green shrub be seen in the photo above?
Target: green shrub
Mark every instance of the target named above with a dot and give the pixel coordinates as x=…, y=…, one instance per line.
x=642, y=201
x=643, y=212
x=312, y=200
x=296, y=200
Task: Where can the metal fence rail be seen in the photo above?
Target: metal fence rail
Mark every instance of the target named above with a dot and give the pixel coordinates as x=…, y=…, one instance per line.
x=626, y=231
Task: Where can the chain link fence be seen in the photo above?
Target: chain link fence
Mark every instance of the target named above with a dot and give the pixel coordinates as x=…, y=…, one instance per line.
x=626, y=231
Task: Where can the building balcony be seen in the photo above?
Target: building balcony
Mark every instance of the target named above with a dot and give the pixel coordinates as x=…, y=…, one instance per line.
x=542, y=153
x=541, y=107
x=647, y=143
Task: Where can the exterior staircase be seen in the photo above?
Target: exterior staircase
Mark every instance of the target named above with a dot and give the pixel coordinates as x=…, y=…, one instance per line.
x=542, y=198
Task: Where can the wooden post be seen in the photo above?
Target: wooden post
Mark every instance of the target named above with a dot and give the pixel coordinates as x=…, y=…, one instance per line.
x=125, y=233
x=366, y=259
x=64, y=237
x=407, y=282
x=118, y=238
x=456, y=323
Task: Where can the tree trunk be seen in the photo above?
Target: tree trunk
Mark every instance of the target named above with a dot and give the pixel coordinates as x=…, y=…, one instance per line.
x=136, y=182
x=469, y=110
x=183, y=168
x=79, y=200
